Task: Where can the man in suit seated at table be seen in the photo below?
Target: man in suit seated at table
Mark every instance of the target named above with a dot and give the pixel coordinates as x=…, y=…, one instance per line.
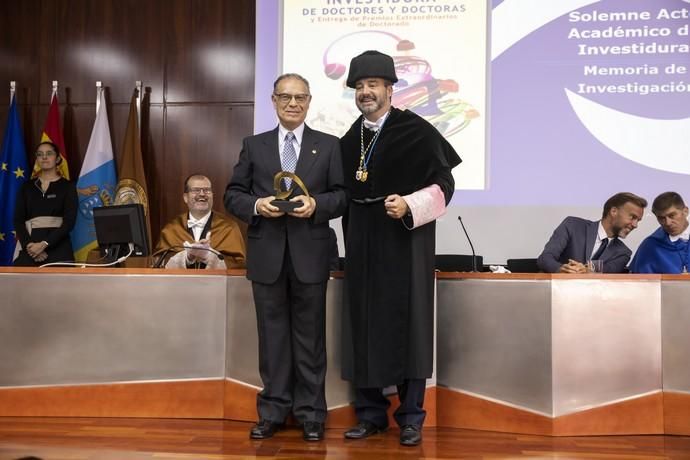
x=667, y=249
x=577, y=241
x=201, y=237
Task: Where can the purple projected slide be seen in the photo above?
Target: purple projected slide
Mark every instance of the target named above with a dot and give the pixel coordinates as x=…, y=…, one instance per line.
x=588, y=98
x=590, y=103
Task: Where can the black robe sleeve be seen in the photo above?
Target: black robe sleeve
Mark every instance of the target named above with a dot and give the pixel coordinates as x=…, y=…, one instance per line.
x=69, y=216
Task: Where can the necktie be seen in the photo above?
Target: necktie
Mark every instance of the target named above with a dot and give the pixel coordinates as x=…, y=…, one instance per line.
x=602, y=248
x=289, y=159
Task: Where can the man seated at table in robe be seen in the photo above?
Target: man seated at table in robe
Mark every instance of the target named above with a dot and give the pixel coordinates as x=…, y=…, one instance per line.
x=201, y=237
x=665, y=250
x=577, y=241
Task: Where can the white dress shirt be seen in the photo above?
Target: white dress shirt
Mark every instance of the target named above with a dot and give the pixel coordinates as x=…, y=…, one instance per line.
x=375, y=125
x=296, y=142
x=601, y=235
x=197, y=225
x=684, y=235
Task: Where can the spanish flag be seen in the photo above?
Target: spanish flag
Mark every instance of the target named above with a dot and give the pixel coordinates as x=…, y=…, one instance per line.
x=53, y=133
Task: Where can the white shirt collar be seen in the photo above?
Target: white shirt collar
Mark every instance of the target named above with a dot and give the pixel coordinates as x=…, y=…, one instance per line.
x=601, y=233
x=685, y=235
x=375, y=126
x=298, y=132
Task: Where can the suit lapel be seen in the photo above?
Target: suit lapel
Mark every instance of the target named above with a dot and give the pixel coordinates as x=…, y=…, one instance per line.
x=592, y=234
x=308, y=153
x=272, y=156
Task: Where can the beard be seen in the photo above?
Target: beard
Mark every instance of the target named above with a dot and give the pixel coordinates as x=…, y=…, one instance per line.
x=620, y=232
x=369, y=107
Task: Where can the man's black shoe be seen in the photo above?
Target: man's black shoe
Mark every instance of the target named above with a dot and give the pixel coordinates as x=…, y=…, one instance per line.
x=264, y=429
x=312, y=431
x=363, y=430
x=410, y=435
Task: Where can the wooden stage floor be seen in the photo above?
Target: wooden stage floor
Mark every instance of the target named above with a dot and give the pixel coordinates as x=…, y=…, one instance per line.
x=163, y=439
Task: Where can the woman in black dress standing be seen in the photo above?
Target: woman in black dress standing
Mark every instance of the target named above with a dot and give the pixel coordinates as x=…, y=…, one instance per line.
x=45, y=213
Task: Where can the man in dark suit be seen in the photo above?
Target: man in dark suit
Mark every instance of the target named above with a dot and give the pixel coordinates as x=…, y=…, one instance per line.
x=288, y=257
x=577, y=241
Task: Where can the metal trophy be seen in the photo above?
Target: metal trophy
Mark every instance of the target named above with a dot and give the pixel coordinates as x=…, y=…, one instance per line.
x=282, y=196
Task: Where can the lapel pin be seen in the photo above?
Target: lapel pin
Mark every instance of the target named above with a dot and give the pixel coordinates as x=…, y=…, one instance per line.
x=313, y=152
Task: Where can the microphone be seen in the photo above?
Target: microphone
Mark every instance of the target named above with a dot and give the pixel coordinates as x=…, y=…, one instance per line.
x=474, y=257
x=167, y=251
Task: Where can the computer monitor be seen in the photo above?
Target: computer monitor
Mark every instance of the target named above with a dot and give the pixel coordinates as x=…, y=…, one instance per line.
x=118, y=226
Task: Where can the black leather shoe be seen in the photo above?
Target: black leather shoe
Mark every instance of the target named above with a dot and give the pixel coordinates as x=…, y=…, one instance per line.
x=312, y=431
x=264, y=429
x=410, y=435
x=363, y=430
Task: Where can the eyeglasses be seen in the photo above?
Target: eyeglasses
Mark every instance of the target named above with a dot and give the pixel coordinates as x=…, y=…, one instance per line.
x=285, y=98
x=46, y=154
x=198, y=190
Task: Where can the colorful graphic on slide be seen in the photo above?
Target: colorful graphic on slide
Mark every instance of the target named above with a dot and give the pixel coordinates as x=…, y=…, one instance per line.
x=439, y=50
x=417, y=89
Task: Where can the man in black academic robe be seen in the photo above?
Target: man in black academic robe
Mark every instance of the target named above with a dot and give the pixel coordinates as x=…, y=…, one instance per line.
x=397, y=168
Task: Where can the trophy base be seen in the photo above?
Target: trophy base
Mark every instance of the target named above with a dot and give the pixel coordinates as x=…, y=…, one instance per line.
x=286, y=206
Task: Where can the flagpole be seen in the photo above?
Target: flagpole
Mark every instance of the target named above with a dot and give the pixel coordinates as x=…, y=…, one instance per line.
x=55, y=90
x=13, y=88
x=139, y=96
x=99, y=88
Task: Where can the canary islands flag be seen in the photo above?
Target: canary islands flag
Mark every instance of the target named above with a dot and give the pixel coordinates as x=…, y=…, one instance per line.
x=96, y=184
x=13, y=173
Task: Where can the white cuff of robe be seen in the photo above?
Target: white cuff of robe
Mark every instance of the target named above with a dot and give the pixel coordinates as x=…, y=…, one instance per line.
x=179, y=260
x=426, y=205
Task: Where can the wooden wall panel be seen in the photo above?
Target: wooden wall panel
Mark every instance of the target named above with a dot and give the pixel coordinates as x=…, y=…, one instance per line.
x=210, y=56
x=21, y=33
x=676, y=413
x=152, y=122
x=171, y=399
x=115, y=41
x=460, y=410
x=642, y=415
x=201, y=139
x=239, y=401
x=196, y=58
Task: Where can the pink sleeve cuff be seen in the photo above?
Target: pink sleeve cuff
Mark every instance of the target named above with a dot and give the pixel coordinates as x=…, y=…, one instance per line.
x=426, y=205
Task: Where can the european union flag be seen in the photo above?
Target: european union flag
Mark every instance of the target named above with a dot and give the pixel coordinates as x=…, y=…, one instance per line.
x=13, y=173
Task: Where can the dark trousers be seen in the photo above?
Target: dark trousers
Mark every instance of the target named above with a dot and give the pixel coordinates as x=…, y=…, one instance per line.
x=371, y=405
x=291, y=321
